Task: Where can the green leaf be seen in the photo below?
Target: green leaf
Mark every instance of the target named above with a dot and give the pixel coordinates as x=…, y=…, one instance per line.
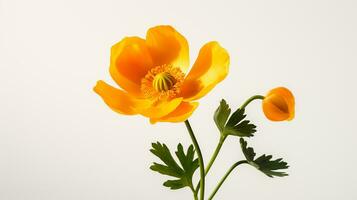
x=221, y=115
x=268, y=166
x=183, y=171
x=247, y=151
x=264, y=163
x=236, y=124
x=171, y=168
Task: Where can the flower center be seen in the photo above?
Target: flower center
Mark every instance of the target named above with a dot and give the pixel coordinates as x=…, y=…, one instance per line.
x=162, y=82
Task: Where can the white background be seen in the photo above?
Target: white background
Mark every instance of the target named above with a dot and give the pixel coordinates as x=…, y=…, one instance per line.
x=59, y=141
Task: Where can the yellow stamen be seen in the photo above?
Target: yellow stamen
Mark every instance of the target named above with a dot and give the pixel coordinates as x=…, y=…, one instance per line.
x=162, y=82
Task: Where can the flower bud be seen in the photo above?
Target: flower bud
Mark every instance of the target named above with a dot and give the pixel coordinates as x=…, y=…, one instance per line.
x=279, y=104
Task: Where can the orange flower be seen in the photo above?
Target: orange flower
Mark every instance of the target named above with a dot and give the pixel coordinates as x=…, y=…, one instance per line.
x=279, y=104
x=152, y=75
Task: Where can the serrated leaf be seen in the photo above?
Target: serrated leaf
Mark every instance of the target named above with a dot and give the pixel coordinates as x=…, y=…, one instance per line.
x=174, y=184
x=183, y=171
x=171, y=168
x=237, y=126
x=247, y=151
x=268, y=166
x=264, y=163
x=221, y=115
x=188, y=163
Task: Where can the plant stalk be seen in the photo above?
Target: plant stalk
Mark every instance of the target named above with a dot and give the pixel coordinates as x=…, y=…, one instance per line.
x=252, y=98
x=214, y=156
x=200, y=160
x=225, y=177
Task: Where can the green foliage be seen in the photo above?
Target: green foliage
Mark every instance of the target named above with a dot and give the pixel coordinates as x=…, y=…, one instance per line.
x=183, y=172
x=264, y=163
x=247, y=151
x=221, y=115
x=236, y=125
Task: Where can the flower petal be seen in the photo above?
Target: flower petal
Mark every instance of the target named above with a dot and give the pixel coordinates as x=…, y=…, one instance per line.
x=167, y=46
x=161, y=108
x=119, y=100
x=210, y=68
x=130, y=60
x=180, y=114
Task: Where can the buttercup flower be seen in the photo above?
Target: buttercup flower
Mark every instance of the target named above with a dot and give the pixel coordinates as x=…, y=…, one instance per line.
x=279, y=105
x=152, y=74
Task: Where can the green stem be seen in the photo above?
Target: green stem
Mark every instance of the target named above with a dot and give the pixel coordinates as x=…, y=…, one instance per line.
x=195, y=197
x=200, y=159
x=214, y=156
x=223, y=137
x=250, y=100
x=217, y=150
x=194, y=192
x=225, y=177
